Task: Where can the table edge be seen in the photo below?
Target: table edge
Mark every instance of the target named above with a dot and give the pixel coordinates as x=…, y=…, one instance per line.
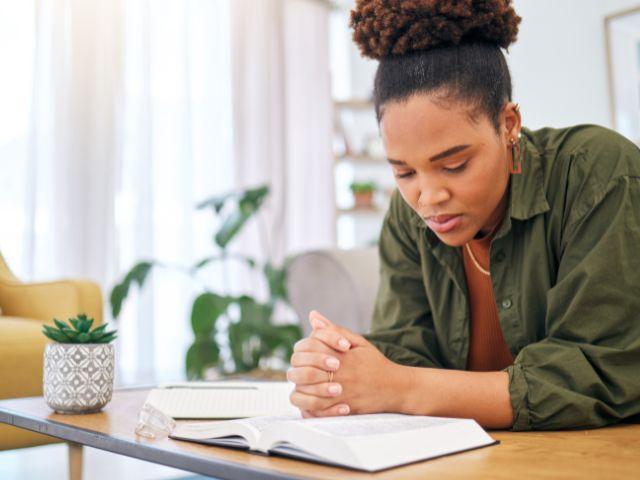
x=184, y=461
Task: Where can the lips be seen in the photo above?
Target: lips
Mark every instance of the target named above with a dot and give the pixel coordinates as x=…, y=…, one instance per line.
x=443, y=223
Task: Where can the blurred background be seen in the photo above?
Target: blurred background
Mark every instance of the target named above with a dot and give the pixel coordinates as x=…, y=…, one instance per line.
x=118, y=118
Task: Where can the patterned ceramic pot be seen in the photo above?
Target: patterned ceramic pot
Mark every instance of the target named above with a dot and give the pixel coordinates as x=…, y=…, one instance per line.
x=78, y=378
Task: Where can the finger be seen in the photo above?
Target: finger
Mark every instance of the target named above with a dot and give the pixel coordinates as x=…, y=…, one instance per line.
x=316, y=318
x=338, y=410
x=314, y=345
x=312, y=359
x=332, y=338
x=315, y=314
x=326, y=389
x=307, y=375
x=311, y=402
x=318, y=321
x=307, y=414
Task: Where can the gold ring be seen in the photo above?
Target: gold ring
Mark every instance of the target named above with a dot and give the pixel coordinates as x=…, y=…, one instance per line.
x=330, y=376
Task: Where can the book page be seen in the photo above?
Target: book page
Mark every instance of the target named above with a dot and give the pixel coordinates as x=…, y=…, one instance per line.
x=373, y=442
x=234, y=433
x=258, y=424
x=374, y=424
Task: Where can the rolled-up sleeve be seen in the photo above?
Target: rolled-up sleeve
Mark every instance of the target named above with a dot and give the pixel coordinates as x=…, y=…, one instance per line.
x=402, y=327
x=586, y=372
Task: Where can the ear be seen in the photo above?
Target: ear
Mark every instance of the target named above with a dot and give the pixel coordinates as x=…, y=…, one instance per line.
x=512, y=121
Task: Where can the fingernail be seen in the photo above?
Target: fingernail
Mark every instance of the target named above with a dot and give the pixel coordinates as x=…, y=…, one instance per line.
x=335, y=389
x=344, y=343
x=343, y=410
x=332, y=362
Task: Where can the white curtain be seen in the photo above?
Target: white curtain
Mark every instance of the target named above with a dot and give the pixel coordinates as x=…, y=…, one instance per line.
x=129, y=118
x=282, y=116
x=176, y=150
x=71, y=156
x=125, y=124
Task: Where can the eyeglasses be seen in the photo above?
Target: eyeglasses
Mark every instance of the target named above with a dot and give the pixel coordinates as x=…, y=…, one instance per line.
x=154, y=424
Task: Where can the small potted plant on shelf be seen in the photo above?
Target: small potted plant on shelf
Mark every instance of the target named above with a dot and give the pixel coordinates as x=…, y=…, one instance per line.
x=363, y=193
x=78, y=367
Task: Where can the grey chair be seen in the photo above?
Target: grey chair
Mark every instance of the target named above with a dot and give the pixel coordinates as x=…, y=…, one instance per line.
x=340, y=284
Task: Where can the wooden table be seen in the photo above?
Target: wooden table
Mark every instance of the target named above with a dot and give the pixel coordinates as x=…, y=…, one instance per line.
x=612, y=452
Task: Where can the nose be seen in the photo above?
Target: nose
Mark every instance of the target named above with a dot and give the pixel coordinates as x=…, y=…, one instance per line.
x=433, y=193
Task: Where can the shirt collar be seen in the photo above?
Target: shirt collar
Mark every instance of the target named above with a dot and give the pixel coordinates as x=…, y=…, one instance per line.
x=527, y=196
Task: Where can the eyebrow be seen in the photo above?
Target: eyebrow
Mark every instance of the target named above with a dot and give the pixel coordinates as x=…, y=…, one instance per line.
x=447, y=153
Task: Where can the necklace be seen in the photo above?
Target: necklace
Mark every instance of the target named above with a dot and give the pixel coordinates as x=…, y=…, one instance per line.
x=475, y=262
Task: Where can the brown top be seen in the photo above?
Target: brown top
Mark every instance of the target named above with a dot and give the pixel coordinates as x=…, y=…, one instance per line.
x=487, y=349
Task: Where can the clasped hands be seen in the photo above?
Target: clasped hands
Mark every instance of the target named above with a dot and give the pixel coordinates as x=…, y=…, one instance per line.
x=363, y=381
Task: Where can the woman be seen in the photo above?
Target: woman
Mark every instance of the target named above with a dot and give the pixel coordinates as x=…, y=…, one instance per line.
x=510, y=265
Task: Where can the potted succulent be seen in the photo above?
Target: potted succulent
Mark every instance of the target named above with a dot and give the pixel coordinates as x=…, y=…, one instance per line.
x=78, y=367
x=363, y=193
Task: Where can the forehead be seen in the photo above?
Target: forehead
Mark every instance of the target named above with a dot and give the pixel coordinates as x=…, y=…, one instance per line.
x=421, y=126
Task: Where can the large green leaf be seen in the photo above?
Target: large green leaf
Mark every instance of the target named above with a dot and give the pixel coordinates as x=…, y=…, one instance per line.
x=231, y=225
x=217, y=201
x=248, y=203
x=205, y=311
x=255, y=196
x=138, y=274
x=245, y=346
x=281, y=337
x=254, y=314
x=204, y=353
x=253, y=337
x=228, y=256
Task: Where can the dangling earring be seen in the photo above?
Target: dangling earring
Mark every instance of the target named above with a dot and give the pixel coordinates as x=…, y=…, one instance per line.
x=515, y=165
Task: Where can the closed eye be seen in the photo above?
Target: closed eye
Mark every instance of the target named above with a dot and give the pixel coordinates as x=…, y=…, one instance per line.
x=405, y=175
x=457, y=168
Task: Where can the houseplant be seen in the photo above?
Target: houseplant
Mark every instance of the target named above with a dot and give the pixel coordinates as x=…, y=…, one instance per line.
x=254, y=336
x=363, y=193
x=78, y=366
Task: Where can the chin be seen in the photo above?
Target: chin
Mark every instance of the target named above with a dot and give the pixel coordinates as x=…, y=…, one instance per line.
x=454, y=240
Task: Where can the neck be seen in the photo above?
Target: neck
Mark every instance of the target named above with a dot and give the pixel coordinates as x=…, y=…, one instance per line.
x=495, y=220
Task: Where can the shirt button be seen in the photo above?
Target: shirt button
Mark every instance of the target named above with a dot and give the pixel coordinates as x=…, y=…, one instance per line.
x=506, y=303
x=499, y=256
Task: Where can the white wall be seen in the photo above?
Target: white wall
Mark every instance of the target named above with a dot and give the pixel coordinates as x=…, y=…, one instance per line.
x=558, y=63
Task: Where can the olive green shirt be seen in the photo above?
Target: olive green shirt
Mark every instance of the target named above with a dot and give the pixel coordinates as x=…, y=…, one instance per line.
x=565, y=269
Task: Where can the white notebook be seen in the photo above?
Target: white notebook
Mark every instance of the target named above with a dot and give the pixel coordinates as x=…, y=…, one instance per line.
x=209, y=400
x=364, y=442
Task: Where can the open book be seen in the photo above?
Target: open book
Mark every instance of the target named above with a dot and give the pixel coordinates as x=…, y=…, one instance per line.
x=364, y=442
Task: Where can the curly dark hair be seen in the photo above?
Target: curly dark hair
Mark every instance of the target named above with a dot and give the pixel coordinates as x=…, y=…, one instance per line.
x=452, y=47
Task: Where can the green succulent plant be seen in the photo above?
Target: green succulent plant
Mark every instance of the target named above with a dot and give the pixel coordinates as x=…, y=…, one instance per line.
x=78, y=330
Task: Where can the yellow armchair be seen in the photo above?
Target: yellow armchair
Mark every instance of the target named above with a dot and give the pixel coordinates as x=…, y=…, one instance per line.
x=23, y=310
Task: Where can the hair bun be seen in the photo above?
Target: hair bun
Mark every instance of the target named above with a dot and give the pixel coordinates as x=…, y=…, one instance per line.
x=383, y=28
